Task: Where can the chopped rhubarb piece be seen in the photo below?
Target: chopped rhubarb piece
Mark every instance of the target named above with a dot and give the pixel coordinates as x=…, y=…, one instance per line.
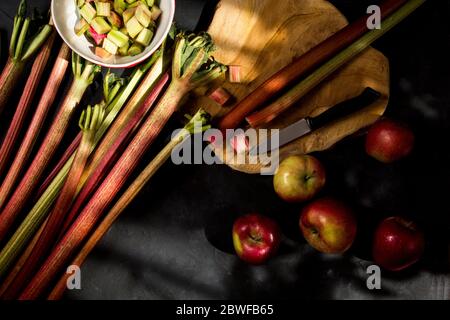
x=103, y=9
x=143, y=15
x=100, y=25
x=81, y=27
x=88, y=12
x=144, y=37
x=123, y=51
x=220, y=95
x=120, y=6
x=98, y=38
x=135, y=49
x=115, y=20
x=156, y=12
x=133, y=27
x=118, y=38
x=128, y=14
x=102, y=53
x=109, y=46
x=234, y=74
x=240, y=143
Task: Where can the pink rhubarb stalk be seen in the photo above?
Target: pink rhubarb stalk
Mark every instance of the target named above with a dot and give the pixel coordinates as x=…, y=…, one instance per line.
x=90, y=120
x=84, y=76
x=196, y=124
x=24, y=104
x=114, y=151
x=22, y=47
x=191, y=68
x=46, y=101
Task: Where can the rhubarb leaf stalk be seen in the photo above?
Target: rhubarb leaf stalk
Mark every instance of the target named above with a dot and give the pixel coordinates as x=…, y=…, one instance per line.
x=24, y=105
x=90, y=121
x=41, y=208
x=46, y=101
x=197, y=123
x=23, y=46
x=192, y=66
x=85, y=73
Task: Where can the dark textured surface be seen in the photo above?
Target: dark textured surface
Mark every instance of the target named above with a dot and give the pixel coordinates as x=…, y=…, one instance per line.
x=172, y=242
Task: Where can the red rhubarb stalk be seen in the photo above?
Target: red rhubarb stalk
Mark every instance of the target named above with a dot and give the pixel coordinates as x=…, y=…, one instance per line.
x=196, y=124
x=157, y=70
x=44, y=204
x=90, y=120
x=22, y=47
x=191, y=68
x=84, y=76
x=7, y=292
x=46, y=101
x=64, y=158
x=9, y=78
x=112, y=84
x=25, y=103
x=114, y=151
x=300, y=67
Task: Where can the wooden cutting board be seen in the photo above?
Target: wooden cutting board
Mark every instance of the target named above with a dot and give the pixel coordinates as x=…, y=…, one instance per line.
x=262, y=36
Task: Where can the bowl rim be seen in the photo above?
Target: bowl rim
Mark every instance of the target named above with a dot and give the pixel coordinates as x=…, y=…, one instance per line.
x=117, y=65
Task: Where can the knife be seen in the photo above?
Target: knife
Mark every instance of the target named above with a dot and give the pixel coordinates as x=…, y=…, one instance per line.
x=309, y=124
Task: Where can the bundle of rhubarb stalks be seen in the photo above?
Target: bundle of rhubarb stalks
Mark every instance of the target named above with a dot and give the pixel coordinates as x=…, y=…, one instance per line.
x=54, y=210
x=51, y=214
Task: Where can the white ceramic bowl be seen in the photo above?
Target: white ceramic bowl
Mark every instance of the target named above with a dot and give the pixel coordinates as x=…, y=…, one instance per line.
x=65, y=16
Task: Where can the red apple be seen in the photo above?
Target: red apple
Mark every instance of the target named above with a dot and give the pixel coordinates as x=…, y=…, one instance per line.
x=256, y=238
x=299, y=178
x=389, y=141
x=398, y=244
x=328, y=225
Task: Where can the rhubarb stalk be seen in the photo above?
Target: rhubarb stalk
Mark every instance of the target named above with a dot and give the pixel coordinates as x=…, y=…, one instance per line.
x=42, y=207
x=114, y=151
x=158, y=69
x=84, y=76
x=191, y=67
x=121, y=129
x=89, y=123
x=46, y=101
x=22, y=47
x=112, y=84
x=293, y=95
x=112, y=110
x=196, y=124
x=6, y=290
x=303, y=65
x=24, y=103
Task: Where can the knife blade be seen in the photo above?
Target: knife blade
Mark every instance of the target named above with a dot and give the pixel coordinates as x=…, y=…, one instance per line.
x=309, y=124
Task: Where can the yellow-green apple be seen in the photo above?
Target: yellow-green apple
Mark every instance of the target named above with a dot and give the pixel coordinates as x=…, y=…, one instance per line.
x=328, y=225
x=398, y=243
x=299, y=178
x=256, y=238
x=389, y=141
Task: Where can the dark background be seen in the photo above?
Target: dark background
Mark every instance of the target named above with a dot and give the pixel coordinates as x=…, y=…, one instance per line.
x=173, y=242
